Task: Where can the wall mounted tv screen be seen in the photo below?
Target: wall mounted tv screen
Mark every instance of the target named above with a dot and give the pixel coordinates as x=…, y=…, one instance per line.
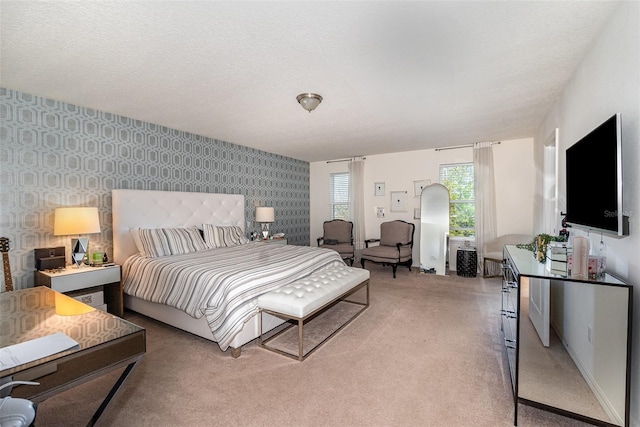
x=594, y=181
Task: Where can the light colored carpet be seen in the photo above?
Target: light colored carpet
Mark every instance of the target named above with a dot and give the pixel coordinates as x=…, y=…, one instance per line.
x=427, y=352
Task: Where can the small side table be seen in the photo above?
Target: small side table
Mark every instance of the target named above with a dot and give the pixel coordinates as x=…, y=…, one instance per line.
x=467, y=262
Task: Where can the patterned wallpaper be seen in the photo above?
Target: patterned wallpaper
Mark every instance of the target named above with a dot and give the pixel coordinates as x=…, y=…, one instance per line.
x=55, y=154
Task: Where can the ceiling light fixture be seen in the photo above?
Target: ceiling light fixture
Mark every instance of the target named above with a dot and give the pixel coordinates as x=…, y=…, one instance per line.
x=309, y=101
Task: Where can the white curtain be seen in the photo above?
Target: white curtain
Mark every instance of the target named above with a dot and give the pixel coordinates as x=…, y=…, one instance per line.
x=356, y=203
x=485, y=198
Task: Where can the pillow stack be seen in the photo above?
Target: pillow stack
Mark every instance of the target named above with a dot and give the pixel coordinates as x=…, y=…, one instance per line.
x=157, y=242
x=217, y=236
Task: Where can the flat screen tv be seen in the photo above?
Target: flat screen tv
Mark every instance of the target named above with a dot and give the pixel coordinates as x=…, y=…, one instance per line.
x=594, y=181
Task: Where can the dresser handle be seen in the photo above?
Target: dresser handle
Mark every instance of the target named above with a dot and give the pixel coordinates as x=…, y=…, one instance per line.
x=509, y=343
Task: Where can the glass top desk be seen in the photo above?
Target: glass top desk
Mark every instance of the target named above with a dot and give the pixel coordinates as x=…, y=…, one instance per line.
x=106, y=342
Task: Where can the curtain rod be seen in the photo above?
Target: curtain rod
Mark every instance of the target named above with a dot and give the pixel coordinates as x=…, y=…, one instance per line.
x=461, y=146
x=345, y=160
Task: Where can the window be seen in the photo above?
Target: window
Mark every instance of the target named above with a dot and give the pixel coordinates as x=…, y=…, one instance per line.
x=458, y=178
x=340, y=196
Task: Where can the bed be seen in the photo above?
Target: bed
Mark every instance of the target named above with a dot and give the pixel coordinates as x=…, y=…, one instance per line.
x=210, y=292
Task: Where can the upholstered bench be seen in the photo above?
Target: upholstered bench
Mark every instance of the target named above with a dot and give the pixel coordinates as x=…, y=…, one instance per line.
x=305, y=298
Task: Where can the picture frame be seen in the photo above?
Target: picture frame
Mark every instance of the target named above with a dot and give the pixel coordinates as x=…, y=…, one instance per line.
x=418, y=186
x=380, y=212
x=398, y=201
x=378, y=189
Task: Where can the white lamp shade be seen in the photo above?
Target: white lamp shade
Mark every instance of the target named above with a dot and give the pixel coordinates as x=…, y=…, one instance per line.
x=77, y=220
x=265, y=214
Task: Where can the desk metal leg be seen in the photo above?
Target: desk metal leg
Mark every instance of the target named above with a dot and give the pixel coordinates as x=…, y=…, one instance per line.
x=112, y=393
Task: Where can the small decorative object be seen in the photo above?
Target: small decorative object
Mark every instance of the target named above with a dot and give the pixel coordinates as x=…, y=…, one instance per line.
x=597, y=266
x=380, y=212
x=398, y=201
x=541, y=249
x=97, y=258
x=539, y=245
x=564, y=232
x=379, y=189
x=557, y=258
x=580, y=257
x=416, y=213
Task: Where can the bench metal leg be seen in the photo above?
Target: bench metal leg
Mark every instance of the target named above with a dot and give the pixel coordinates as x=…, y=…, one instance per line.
x=300, y=335
x=300, y=322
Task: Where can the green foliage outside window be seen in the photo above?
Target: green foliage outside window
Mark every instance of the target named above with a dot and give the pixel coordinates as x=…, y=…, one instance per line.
x=458, y=178
x=341, y=212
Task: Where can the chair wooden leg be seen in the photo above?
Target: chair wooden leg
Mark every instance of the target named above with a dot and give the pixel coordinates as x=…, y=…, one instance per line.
x=394, y=267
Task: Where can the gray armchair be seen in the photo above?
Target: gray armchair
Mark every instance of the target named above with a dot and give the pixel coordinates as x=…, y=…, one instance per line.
x=395, y=245
x=338, y=235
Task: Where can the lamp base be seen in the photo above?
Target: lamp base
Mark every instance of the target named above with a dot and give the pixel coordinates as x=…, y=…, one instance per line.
x=265, y=230
x=79, y=250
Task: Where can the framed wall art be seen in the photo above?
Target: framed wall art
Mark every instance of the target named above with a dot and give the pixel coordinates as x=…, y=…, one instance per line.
x=398, y=201
x=418, y=186
x=379, y=189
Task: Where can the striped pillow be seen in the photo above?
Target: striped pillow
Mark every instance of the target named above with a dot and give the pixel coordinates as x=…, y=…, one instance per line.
x=155, y=242
x=218, y=236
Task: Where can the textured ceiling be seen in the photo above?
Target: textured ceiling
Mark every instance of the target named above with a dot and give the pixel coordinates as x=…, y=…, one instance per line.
x=395, y=76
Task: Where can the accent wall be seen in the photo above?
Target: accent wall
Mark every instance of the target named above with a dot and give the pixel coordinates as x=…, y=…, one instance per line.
x=54, y=154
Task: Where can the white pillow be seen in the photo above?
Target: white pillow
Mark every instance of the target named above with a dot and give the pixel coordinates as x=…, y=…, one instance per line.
x=155, y=242
x=219, y=236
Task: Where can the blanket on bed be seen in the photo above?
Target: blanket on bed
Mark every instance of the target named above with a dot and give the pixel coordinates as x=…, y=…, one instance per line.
x=222, y=284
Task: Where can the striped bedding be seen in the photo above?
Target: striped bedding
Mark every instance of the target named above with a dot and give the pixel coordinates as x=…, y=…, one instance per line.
x=222, y=283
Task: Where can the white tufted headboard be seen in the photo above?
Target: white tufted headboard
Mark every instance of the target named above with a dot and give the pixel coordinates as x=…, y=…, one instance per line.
x=155, y=209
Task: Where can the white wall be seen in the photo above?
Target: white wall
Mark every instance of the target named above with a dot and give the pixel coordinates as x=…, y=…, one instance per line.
x=607, y=82
x=515, y=183
x=513, y=162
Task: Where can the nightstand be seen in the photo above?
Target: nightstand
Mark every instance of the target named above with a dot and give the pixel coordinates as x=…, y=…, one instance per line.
x=74, y=281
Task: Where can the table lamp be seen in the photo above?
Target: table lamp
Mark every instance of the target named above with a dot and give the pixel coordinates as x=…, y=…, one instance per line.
x=265, y=215
x=76, y=221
